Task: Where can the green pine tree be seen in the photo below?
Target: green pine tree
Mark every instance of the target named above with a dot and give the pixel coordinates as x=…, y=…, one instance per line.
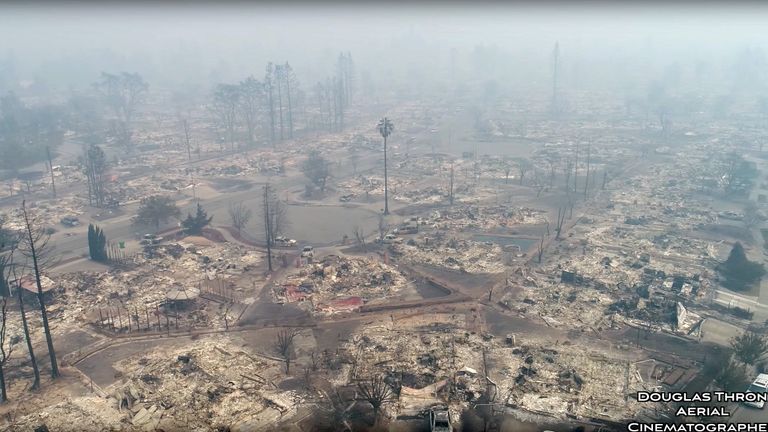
x=194, y=224
x=97, y=243
x=92, y=242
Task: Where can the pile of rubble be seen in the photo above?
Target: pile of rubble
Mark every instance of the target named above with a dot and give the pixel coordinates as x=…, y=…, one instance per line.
x=415, y=353
x=210, y=384
x=485, y=218
x=434, y=354
x=50, y=211
x=340, y=283
x=370, y=186
x=87, y=414
x=563, y=305
x=567, y=380
x=162, y=269
x=463, y=255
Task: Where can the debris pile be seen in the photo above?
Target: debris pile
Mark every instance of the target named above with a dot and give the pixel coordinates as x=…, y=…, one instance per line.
x=208, y=385
x=86, y=413
x=568, y=380
x=340, y=283
x=463, y=255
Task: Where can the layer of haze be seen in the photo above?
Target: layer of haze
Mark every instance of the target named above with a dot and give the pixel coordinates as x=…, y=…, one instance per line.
x=174, y=46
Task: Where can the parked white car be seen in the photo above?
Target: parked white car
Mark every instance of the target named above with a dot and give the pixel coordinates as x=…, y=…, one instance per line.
x=308, y=252
x=284, y=241
x=390, y=239
x=759, y=385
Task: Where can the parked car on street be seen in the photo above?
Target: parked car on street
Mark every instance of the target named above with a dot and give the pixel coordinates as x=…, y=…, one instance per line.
x=759, y=385
x=282, y=241
x=70, y=221
x=149, y=239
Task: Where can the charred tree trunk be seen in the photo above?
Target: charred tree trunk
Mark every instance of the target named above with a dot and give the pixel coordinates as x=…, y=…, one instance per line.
x=586, y=183
x=50, y=166
x=386, y=190
x=40, y=296
x=290, y=105
x=186, y=139
x=28, y=339
x=450, y=196
x=280, y=104
x=268, y=227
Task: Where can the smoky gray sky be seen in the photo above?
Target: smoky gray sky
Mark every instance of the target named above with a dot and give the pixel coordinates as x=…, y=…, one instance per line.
x=209, y=41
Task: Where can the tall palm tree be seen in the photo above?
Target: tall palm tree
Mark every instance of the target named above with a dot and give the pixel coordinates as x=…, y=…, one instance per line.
x=385, y=129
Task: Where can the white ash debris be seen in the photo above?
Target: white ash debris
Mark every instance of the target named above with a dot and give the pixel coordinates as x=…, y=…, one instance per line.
x=561, y=379
x=86, y=414
x=463, y=255
x=340, y=277
x=172, y=266
x=485, y=218
x=211, y=383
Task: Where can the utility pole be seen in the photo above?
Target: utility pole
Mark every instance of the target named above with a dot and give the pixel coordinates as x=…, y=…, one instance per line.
x=576, y=169
x=589, y=154
x=194, y=186
x=385, y=127
x=386, y=191
x=268, y=227
x=50, y=166
x=186, y=139
x=450, y=193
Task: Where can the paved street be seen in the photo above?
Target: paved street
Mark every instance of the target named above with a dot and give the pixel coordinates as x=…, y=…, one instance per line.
x=745, y=414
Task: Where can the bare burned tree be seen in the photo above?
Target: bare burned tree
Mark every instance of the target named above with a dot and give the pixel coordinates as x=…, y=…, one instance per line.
x=6, y=346
x=383, y=227
x=95, y=167
x=25, y=326
x=284, y=346
x=376, y=392
x=123, y=93
x=275, y=219
x=278, y=215
x=524, y=166
x=250, y=105
x=224, y=104
x=539, y=182
x=507, y=171
x=187, y=137
x=35, y=247
x=335, y=413
x=567, y=173
x=561, y=213
x=360, y=238
x=240, y=215
x=227, y=310
x=289, y=84
x=270, y=83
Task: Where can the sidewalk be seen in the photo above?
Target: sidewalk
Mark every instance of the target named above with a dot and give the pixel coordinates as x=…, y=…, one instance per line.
x=751, y=303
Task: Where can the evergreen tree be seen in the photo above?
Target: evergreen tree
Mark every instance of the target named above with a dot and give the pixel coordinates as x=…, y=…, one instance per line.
x=194, y=224
x=97, y=243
